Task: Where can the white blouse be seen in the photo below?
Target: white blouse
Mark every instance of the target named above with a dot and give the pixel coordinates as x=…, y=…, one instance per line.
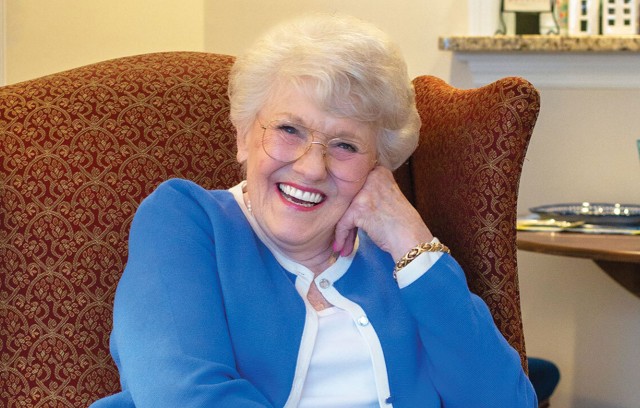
x=340, y=372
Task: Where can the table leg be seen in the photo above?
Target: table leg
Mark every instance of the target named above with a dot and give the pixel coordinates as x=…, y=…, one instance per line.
x=625, y=273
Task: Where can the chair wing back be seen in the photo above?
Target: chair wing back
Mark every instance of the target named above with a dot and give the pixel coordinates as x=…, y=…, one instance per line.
x=79, y=150
x=465, y=176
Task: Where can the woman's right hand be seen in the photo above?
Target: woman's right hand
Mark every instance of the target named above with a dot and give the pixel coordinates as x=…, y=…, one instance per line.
x=385, y=214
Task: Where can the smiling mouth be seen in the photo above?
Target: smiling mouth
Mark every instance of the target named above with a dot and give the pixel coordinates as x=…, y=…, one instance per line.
x=299, y=197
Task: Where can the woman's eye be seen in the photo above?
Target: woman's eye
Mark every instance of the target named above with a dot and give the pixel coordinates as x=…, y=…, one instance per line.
x=289, y=129
x=346, y=146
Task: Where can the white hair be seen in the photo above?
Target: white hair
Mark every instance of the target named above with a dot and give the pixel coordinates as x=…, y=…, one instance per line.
x=354, y=70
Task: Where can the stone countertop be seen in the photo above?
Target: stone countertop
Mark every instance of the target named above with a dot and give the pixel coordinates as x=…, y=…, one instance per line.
x=541, y=43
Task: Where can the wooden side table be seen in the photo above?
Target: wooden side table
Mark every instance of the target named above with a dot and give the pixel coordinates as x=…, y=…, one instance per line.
x=617, y=255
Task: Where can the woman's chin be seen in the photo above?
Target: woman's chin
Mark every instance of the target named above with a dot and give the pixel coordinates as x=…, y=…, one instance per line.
x=293, y=239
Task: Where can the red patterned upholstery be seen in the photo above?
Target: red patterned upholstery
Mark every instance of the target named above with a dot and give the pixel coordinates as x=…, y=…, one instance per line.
x=466, y=173
x=80, y=149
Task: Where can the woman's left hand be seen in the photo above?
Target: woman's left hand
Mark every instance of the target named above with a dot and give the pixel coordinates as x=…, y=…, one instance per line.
x=385, y=214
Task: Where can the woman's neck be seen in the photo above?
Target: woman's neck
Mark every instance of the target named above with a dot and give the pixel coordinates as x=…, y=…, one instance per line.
x=316, y=263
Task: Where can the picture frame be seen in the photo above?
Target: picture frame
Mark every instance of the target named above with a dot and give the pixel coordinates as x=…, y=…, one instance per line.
x=527, y=6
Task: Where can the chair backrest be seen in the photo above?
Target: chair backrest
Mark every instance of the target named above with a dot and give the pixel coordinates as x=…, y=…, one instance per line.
x=465, y=178
x=79, y=150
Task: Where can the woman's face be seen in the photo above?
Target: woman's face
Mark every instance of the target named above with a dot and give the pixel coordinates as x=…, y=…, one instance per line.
x=300, y=225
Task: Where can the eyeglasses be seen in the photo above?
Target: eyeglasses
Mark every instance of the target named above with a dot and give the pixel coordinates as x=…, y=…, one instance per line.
x=346, y=159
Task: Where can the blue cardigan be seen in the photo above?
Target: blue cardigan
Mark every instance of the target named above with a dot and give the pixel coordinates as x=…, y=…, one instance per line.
x=205, y=316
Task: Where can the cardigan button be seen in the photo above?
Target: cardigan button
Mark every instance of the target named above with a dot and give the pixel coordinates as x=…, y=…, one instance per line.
x=324, y=284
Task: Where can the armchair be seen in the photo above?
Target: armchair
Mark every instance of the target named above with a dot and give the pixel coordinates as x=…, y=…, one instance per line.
x=80, y=149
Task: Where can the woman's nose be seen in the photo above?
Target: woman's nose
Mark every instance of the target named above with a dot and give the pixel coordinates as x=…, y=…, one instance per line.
x=312, y=164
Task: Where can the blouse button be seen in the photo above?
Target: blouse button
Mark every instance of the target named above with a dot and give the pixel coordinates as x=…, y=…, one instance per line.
x=324, y=283
x=363, y=321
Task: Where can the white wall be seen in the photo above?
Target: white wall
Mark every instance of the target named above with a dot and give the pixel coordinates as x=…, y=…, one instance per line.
x=44, y=37
x=414, y=24
x=582, y=149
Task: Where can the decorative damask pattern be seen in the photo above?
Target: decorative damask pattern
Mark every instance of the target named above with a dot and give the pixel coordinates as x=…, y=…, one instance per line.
x=466, y=172
x=79, y=150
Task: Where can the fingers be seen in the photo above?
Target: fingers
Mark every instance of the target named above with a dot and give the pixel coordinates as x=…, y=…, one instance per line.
x=383, y=212
x=345, y=235
x=361, y=209
x=344, y=246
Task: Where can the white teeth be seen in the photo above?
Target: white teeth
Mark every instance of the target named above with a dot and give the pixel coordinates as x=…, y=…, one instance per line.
x=307, y=196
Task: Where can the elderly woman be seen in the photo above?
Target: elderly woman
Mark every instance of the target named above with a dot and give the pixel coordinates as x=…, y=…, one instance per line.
x=314, y=283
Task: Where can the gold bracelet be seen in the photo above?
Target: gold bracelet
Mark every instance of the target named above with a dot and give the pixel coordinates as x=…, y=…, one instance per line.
x=417, y=250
